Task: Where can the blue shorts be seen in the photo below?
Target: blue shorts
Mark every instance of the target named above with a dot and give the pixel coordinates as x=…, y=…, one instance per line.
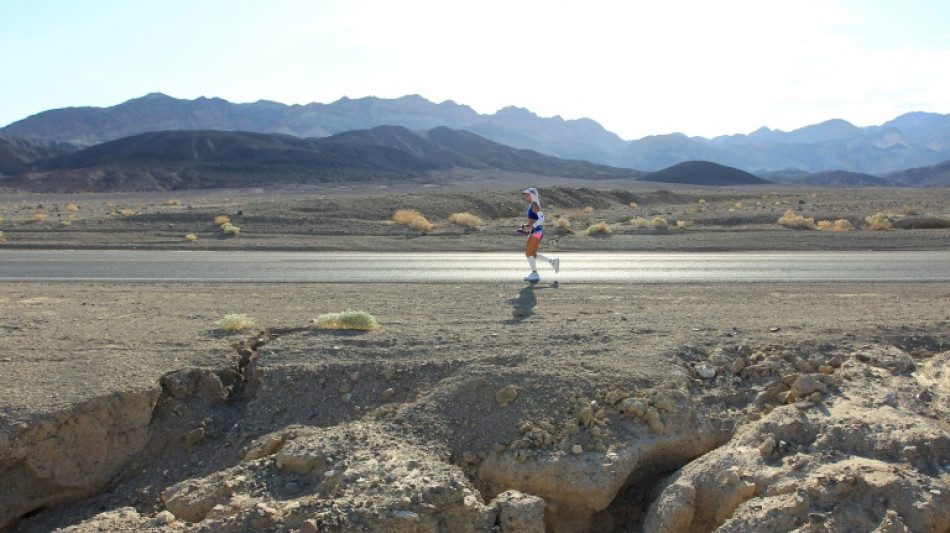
x=536, y=233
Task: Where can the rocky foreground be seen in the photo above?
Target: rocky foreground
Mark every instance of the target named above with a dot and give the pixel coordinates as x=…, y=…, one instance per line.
x=559, y=408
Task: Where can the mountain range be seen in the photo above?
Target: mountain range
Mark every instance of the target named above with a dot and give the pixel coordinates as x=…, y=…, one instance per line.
x=834, y=152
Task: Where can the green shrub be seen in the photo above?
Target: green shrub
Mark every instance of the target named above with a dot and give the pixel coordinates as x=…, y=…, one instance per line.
x=235, y=322
x=355, y=320
x=600, y=228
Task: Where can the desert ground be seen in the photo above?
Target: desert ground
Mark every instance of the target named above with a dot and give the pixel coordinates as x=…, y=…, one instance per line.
x=509, y=407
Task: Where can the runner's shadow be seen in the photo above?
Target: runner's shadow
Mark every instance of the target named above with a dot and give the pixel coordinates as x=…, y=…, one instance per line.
x=523, y=305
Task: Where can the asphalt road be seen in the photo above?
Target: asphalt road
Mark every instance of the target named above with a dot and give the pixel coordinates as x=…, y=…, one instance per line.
x=342, y=267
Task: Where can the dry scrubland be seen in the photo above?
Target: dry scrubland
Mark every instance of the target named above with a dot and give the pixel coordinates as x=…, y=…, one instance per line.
x=511, y=407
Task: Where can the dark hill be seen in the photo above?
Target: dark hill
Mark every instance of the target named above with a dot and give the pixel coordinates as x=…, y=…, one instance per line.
x=208, y=159
x=16, y=153
x=932, y=176
x=703, y=173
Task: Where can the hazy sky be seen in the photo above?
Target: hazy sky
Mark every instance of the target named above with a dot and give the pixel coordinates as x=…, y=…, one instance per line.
x=638, y=68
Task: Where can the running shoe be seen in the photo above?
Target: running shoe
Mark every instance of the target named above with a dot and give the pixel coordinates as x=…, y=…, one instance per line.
x=532, y=277
x=556, y=263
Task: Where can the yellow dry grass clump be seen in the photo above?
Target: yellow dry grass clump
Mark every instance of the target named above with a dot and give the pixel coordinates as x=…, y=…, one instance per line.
x=3, y=238
x=562, y=223
x=641, y=222
x=72, y=207
x=191, y=237
x=600, y=228
x=221, y=220
x=467, y=220
x=352, y=320
x=235, y=322
x=413, y=219
x=659, y=223
x=791, y=219
x=878, y=221
x=842, y=224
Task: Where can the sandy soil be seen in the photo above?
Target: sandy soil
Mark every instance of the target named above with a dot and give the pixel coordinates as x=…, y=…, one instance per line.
x=780, y=407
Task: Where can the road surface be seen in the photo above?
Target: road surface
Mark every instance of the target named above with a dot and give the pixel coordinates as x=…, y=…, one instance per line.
x=343, y=267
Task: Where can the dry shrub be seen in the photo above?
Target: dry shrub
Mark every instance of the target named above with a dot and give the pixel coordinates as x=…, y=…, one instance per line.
x=467, y=220
x=2, y=237
x=791, y=219
x=191, y=237
x=640, y=222
x=600, y=228
x=702, y=201
x=684, y=223
x=221, y=220
x=878, y=222
x=588, y=210
x=72, y=207
x=235, y=322
x=39, y=217
x=634, y=205
x=420, y=223
x=413, y=219
x=405, y=216
x=842, y=224
x=355, y=320
x=659, y=223
x=230, y=229
x=65, y=223
x=172, y=202
x=562, y=223
x=738, y=205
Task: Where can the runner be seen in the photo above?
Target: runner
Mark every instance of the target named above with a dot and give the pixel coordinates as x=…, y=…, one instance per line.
x=535, y=232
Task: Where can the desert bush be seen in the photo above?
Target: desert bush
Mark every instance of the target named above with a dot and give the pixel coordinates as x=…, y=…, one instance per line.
x=172, y=202
x=355, y=320
x=405, y=216
x=878, y=222
x=2, y=237
x=791, y=219
x=221, y=220
x=230, y=229
x=39, y=217
x=191, y=237
x=738, y=205
x=588, y=210
x=634, y=205
x=702, y=201
x=72, y=207
x=659, y=223
x=413, y=219
x=641, y=222
x=684, y=223
x=421, y=224
x=600, y=228
x=842, y=224
x=467, y=220
x=562, y=223
x=235, y=322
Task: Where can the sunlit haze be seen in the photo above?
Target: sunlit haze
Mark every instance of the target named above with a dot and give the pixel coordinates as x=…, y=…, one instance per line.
x=637, y=68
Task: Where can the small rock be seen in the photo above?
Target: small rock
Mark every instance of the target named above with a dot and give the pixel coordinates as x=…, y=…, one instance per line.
x=767, y=446
x=910, y=453
x=826, y=369
x=164, y=518
x=577, y=449
x=706, y=372
x=389, y=393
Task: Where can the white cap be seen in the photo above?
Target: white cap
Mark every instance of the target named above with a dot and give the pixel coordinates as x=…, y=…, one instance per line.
x=535, y=196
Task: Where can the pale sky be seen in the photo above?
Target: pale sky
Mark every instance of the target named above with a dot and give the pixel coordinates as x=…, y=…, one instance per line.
x=699, y=67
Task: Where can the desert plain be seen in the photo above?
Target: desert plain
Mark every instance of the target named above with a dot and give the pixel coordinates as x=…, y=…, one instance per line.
x=477, y=407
